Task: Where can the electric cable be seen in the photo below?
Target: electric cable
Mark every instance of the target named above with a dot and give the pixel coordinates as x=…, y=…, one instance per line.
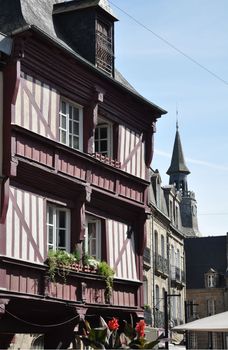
x=171, y=45
x=39, y=325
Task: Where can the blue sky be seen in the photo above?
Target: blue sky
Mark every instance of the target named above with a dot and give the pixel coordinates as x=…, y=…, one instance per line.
x=199, y=28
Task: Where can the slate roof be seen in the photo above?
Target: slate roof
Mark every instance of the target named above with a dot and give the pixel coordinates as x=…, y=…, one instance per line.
x=82, y=4
x=177, y=162
x=203, y=253
x=5, y=44
x=19, y=15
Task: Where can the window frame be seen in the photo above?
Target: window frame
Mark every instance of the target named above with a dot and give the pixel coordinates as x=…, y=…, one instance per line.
x=70, y=104
x=56, y=227
x=93, y=219
x=104, y=123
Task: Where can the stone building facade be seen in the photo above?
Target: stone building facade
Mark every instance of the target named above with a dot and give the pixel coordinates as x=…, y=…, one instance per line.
x=206, y=294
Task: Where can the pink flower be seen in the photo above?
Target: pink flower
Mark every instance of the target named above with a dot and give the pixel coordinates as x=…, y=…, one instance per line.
x=140, y=328
x=113, y=324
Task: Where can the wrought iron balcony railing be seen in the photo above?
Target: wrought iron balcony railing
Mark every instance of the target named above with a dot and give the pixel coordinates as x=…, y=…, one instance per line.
x=161, y=265
x=177, y=276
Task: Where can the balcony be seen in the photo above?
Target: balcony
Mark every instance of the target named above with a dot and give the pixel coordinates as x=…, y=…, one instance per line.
x=178, y=278
x=81, y=286
x=46, y=157
x=161, y=266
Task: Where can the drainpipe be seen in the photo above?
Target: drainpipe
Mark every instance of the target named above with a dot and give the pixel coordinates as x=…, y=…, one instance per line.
x=153, y=265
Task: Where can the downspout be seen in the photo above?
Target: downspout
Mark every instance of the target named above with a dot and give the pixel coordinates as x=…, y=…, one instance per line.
x=152, y=262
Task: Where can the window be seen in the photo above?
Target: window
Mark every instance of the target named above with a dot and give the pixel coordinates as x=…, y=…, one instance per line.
x=145, y=290
x=155, y=242
x=58, y=228
x=70, y=125
x=210, y=307
x=162, y=246
x=211, y=281
x=104, y=47
x=103, y=138
x=92, y=244
x=157, y=297
x=171, y=210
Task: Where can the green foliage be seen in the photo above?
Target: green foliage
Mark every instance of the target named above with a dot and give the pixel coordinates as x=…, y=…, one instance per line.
x=59, y=262
x=103, y=338
x=77, y=255
x=107, y=272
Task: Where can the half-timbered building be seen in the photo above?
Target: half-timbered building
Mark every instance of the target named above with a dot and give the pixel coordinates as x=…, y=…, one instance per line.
x=76, y=146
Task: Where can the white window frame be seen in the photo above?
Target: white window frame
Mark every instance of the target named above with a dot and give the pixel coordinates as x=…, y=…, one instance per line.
x=55, y=226
x=93, y=220
x=69, y=123
x=101, y=124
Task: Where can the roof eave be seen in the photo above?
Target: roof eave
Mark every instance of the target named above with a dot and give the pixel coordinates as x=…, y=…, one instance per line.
x=158, y=110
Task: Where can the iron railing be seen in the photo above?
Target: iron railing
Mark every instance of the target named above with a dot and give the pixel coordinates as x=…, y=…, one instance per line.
x=161, y=265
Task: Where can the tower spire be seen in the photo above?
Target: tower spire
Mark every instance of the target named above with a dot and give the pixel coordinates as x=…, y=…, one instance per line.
x=178, y=170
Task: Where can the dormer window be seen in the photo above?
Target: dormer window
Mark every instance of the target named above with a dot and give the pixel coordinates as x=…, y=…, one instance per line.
x=104, y=47
x=211, y=278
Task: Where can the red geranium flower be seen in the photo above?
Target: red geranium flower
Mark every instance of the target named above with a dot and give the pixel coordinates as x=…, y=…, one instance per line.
x=113, y=324
x=140, y=328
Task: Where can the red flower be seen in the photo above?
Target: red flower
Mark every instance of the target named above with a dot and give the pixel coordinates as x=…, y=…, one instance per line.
x=140, y=328
x=113, y=324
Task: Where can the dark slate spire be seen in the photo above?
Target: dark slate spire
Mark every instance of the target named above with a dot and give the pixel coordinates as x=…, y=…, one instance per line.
x=177, y=163
x=178, y=170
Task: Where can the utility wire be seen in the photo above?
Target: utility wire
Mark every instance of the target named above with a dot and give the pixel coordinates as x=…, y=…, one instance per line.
x=39, y=325
x=171, y=45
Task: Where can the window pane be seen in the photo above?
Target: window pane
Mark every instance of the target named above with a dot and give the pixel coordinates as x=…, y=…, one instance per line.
x=96, y=133
x=76, y=142
x=62, y=239
x=63, y=136
x=50, y=215
x=76, y=129
x=62, y=219
x=103, y=133
x=76, y=114
x=50, y=235
x=70, y=111
x=92, y=230
x=93, y=248
x=70, y=127
x=63, y=107
x=96, y=146
x=103, y=146
x=63, y=122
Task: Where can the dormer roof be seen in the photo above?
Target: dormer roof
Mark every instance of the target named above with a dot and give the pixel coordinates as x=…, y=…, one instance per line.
x=83, y=4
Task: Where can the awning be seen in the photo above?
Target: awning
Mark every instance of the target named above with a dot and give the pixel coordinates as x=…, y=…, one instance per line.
x=215, y=323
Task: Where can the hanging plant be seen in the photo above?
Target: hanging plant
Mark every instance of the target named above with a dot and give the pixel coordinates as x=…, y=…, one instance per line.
x=59, y=263
x=108, y=273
